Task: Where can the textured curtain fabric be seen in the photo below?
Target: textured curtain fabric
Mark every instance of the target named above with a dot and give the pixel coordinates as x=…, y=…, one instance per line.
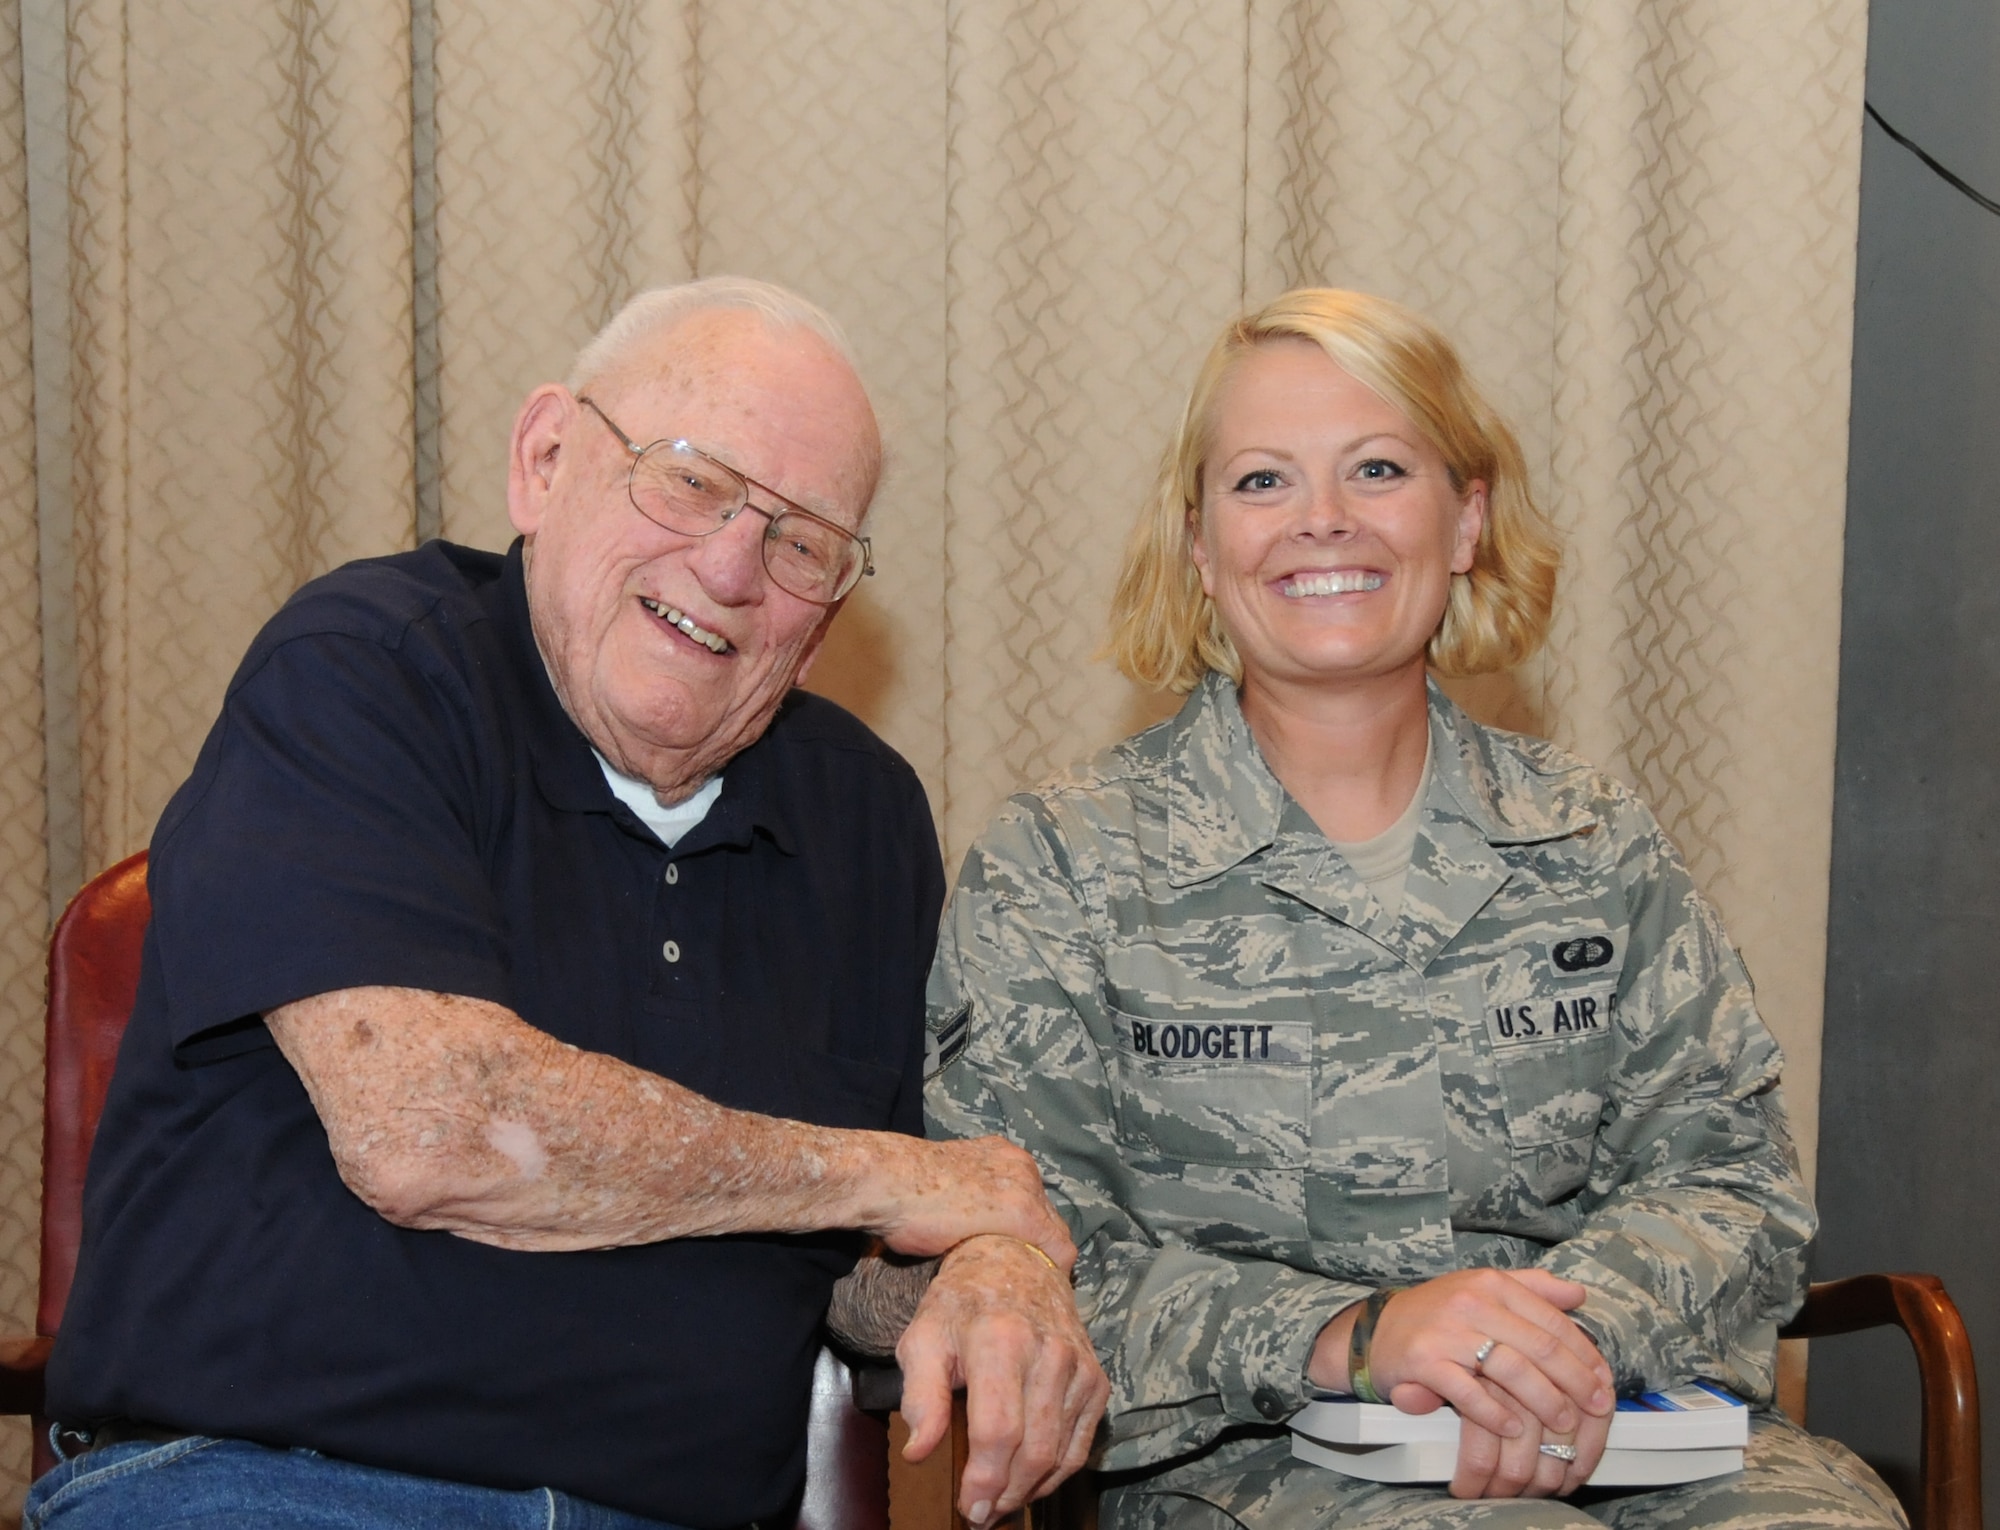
x=23, y=813
x=311, y=254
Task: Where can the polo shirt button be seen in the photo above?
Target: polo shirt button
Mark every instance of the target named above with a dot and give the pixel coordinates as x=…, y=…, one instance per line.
x=1269, y=1403
x=673, y=873
x=671, y=950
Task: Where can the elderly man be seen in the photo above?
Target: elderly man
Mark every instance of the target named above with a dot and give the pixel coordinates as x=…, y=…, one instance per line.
x=530, y=1023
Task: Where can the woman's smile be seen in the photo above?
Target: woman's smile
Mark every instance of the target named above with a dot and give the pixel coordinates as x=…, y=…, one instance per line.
x=1333, y=582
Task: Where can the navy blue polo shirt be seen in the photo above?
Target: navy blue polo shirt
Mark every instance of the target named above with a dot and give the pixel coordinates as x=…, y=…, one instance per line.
x=393, y=795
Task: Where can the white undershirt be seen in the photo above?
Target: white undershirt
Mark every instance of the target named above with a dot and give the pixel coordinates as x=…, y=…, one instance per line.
x=1384, y=861
x=668, y=823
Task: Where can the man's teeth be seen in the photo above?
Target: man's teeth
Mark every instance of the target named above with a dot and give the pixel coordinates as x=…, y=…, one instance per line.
x=1342, y=582
x=676, y=618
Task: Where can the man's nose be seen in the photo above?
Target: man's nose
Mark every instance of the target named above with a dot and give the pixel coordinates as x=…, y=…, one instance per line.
x=729, y=561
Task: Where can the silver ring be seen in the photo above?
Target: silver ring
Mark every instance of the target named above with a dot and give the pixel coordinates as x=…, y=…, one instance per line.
x=1485, y=1349
x=1560, y=1452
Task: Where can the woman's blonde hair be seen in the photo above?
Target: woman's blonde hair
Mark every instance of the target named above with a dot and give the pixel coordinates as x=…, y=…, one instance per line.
x=1164, y=629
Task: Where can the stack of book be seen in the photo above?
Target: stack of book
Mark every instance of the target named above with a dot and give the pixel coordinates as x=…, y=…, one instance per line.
x=1680, y=1435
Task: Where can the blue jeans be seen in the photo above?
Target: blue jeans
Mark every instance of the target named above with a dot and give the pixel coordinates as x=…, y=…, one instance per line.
x=235, y=1485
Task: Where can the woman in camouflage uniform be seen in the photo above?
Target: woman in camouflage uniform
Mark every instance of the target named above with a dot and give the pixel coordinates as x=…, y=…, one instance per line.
x=1322, y=992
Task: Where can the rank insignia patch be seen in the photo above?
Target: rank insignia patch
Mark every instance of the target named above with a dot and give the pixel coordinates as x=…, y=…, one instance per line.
x=943, y=1045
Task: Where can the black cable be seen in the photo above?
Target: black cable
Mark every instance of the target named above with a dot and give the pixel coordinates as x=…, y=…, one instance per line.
x=1952, y=180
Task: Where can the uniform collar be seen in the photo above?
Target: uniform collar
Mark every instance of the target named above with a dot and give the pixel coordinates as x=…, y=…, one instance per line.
x=1485, y=794
x=1223, y=803
x=567, y=772
x=1224, y=806
x=1502, y=790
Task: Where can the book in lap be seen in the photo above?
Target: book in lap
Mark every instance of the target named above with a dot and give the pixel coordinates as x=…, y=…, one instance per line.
x=1680, y=1435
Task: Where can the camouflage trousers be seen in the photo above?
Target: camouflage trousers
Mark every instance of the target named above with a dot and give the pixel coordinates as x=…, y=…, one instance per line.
x=1790, y=1479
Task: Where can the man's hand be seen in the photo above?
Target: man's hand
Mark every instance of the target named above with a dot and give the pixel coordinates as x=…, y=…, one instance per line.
x=938, y=1194
x=1542, y=1373
x=1000, y=1322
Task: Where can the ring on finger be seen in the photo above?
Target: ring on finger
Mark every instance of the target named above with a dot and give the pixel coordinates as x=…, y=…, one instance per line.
x=1479, y=1356
x=1560, y=1452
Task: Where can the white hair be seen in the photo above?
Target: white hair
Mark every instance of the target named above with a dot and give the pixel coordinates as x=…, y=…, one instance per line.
x=661, y=308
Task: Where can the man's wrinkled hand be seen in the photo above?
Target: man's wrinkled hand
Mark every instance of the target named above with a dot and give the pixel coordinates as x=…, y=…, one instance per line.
x=946, y=1192
x=1000, y=1322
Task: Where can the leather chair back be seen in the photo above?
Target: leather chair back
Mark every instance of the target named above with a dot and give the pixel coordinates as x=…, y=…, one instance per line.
x=93, y=978
x=847, y=1456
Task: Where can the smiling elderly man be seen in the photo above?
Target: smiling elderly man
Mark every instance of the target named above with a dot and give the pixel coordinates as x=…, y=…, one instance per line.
x=530, y=1022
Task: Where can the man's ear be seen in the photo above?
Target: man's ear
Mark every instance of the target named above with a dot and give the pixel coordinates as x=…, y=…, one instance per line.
x=533, y=452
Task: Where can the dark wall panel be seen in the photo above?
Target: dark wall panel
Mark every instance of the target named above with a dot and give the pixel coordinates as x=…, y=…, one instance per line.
x=1910, y=1101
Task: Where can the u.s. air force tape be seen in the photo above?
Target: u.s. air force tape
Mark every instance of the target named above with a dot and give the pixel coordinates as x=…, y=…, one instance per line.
x=1533, y=1017
x=943, y=1045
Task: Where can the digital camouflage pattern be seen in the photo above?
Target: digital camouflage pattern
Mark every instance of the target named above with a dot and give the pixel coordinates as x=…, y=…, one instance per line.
x=1256, y=1096
x=1790, y=1482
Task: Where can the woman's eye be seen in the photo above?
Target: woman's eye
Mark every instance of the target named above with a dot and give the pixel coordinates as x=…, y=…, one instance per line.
x=1261, y=481
x=1378, y=470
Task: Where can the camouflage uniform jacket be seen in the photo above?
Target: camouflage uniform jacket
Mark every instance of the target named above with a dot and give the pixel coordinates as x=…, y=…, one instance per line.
x=1255, y=1095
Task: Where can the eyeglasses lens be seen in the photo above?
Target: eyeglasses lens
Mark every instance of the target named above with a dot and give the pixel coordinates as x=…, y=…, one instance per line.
x=809, y=559
x=685, y=492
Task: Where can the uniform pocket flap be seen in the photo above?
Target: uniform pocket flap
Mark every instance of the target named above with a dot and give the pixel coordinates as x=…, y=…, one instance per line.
x=1214, y=1089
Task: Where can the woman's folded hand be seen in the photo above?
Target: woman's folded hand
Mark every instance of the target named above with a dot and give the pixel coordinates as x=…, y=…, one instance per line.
x=1499, y=1346
x=1532, y=1464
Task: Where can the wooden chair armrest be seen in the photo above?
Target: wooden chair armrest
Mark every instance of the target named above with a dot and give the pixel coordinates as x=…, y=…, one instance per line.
x=1919, y=1305
x=23, y=1358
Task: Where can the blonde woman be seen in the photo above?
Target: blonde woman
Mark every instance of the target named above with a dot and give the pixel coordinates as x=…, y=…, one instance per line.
x=1366, y=1048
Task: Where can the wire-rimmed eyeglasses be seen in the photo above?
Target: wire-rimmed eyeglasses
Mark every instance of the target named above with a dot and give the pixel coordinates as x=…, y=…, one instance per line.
x=683, y=489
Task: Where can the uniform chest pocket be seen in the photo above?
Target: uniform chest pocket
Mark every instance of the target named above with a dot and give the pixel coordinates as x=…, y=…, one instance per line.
x=1236, y=1093
x=1553, y=1052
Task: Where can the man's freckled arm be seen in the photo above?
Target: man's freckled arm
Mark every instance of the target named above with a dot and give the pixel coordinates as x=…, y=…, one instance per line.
x=451, y=1113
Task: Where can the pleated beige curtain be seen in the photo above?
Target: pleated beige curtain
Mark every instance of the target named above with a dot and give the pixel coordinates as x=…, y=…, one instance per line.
x=23, y=814
x=311, y=254
x=23, y=817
